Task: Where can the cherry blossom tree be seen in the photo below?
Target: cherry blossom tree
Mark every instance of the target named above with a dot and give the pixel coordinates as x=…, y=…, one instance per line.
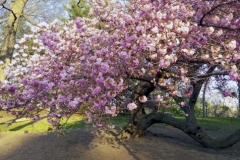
x=167, y=47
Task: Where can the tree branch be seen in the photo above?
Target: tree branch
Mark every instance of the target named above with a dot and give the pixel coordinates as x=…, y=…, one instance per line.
x=29, y=19
x=209, y=12
x=141, y=78
x=206, y=75
x=3, y=2
x=14, y=15
x=78, y=2
x=220, y=27
x=194, y=131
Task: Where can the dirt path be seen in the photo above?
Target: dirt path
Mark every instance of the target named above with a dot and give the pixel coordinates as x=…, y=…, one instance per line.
x=159, y=143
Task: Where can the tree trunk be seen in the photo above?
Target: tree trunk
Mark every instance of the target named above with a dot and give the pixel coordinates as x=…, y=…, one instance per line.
x=203, y=99
x=10, y=34
x=143, y=88
x=194, y=131
x=138, y=125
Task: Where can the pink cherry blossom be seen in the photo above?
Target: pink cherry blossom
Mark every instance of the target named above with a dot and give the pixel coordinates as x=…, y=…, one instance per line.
x=143, y=99
x=111, y=110
x=159, y=98
x=226, y=93
x=231, y=45
x=182, y=104
x=131, y=106
x=79, y=64
x=168, y=105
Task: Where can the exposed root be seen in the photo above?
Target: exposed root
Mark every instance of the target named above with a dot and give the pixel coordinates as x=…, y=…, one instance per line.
x=130, y=131
x=113, y=135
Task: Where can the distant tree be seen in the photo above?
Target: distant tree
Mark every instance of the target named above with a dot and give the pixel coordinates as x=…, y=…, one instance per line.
x=7, y=47
x=15, y=17
x=77, y=8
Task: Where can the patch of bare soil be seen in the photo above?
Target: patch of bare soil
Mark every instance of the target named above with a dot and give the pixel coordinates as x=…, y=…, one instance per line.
x=160, y=142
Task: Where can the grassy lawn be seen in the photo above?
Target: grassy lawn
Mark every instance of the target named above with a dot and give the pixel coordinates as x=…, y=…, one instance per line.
x=215, y=121
x=76, y=121
x=41, y=126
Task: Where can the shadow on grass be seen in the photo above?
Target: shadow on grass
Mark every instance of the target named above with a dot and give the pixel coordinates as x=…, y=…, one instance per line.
x=118, y=121
x=21, y=126
x=45, y=127
x=81, y=144
x=76, y=125
x=76, y=143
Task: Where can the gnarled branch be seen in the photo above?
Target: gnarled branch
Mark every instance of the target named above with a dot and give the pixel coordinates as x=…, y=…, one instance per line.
x=194, y=131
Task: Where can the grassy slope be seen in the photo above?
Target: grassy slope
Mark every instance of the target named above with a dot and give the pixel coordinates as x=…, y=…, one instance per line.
x=77, y=121
x=221, y=121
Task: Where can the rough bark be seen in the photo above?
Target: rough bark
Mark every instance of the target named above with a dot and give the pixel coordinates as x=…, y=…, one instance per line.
x=194, y=131
x=137, y=125
x=143, y=88
x=10, y=34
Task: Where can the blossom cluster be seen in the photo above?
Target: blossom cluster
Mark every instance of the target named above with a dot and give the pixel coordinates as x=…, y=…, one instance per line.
x=83, y=64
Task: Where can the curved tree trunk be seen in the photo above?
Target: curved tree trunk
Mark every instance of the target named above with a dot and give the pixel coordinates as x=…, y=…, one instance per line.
x=138, y=125
x=194, y=131
x=143, y=88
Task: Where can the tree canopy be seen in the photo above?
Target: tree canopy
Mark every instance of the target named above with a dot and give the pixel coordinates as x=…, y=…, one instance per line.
x=169, y=47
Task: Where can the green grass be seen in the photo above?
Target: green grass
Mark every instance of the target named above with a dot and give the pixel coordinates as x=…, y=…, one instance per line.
x=25, y=125
x=78, y=121
x=75, y=122
x=215, y=121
